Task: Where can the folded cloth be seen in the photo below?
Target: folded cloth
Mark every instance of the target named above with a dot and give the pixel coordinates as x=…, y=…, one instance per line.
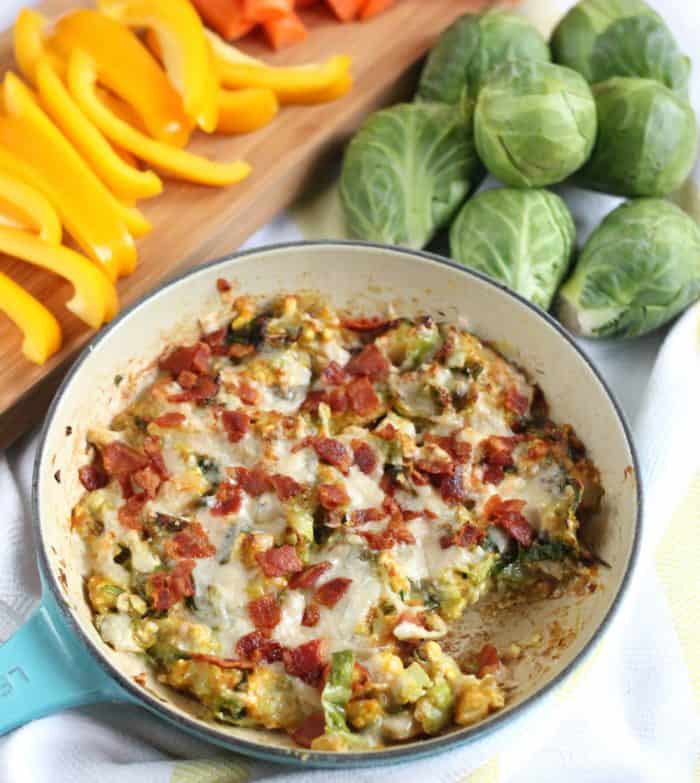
x=628, y=714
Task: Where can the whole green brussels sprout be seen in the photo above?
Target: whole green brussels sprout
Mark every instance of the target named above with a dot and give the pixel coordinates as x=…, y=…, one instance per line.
x=535, y=123
x=471, y=48
x=639, y=269
x=605, y=38
x=647, y=138
x=522, y=238
x=406, y=172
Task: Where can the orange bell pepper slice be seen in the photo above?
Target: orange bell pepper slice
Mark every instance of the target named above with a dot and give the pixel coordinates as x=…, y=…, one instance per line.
x=126, y=68
x=33, y=149
x=26, y=207
x=243, y=111
x=185, y=53
x=94, y=300
x=41, y=331
x=82, y=77
x=122, y=179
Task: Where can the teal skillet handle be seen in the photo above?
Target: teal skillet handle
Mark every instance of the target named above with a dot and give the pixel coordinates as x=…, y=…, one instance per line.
x=44, y=669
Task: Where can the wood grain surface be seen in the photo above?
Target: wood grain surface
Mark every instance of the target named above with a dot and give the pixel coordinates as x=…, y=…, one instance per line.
x=192, y=224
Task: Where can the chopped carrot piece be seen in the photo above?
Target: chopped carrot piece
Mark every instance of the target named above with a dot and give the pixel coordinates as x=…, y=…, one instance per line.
x=305, y=3
x=225, y=16
x=285, y=31
x=346, y=10
x=373, y=7
x=267, y=10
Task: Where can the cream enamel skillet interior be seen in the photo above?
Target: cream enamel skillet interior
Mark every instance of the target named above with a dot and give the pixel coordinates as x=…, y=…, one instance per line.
x=555, y=633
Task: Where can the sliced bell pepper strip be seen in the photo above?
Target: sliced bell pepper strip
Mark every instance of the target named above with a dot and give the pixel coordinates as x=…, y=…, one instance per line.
x=49, y=163
x=243, y=111
x=28, y=40
x=82, y=79
x=122, y=109
x=185, y=54
x=29, y=207
x=127, y=68
x=42, y=333
x=95, y=298
x=124, y=180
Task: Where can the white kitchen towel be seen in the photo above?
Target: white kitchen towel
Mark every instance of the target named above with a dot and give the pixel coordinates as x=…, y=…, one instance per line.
x=630, y=713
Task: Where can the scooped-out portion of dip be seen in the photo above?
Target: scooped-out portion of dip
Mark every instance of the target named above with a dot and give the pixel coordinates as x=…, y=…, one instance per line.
x=289, y=518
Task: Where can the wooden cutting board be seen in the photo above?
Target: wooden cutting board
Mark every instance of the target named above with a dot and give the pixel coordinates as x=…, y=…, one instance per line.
x=192, y=224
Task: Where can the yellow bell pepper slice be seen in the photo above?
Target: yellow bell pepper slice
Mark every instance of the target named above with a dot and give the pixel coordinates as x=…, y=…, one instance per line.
x=82, y=77
x=122, y=109
x=126, y=68
x=27, y=207
x=28, y=40
x=123, y=180
x=243, y=111
x=186, y=56
x=95, y=298
x=50, y=163
x=42, y=333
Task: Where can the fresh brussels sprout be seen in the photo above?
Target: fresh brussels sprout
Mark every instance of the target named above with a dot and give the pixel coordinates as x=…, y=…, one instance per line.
x=647, y=139
x=470, y=49
x=535, y=123
x=522, y=238
x=406, y=172
x=605, y=38
x=639, y=269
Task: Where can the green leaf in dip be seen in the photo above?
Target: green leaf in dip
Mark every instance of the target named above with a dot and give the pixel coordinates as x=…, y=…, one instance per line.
x=647, y=139
x=522, y=238
x=471, y=48
x=406, y=172
x=639, y=269
x=605, y=38
x=337, y=691
x=535, y=123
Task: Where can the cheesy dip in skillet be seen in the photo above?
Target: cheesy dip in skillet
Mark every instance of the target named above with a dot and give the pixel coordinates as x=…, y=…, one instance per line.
x=288, y=519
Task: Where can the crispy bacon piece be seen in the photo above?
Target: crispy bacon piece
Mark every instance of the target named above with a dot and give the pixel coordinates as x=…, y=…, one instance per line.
x=240, y=350
x=216, y=340
x=337, y=400
x=254, y=481
x=452, y=487
x=516, y=402
x=370, y=362
x=459, y=450
x=362, y=397
x=169, y=420
x=187, y=379
x=265, y=613
x=435, y=466
x=387, y=432
x=194, y=358
x=121, y=460
x=205, y=388
x=506, y=514
x=333, y=375
x=371, y=323
x=148, y=480
x=313, y=400
x=307, y=661
x=93, y=476
x=248, y=394
x=497, y=454
x=228, y=499
x=222, y=663
x=236, y=424
x=365, y=456
x=467, y=536
x=153, y=448
x=487, y=660
x=255, y=646
x=279, y=561
x=311, y=616
x=363, y=515
x=329, y=593
x=309, y=576
x=333, y=452
x=192, y=542
x=169, y=587
x=332, y=496
x=379, y=541
x=312, y=727
x=222, y=285
x=130, y=514
x=285, y=486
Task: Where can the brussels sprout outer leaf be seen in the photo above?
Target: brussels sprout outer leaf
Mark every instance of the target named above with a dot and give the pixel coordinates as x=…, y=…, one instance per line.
x=407, y=171
x=535, y=123
x=574, y=38
x=337, y=691
x=471, y=48
x=522, y=238
x=647, y=139
x=639, y=269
